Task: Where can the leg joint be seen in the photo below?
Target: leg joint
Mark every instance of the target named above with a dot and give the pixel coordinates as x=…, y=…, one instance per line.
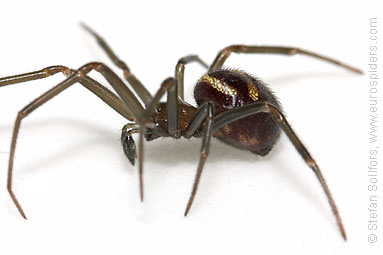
x=21, y=114
x=234, y=48
x=82, y=71
x=292, y=51
x=168, y=83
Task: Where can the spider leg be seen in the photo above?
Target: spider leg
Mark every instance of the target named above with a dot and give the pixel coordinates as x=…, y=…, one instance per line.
x=168, y=85
x=99, y=90
x=80, y=75
x=225, y=53
x=197, y=119
x=180, y=70
x=229, y=116
x=204, y=112
x=176, y=93
x=141, y=91
x=172, y=109
x=118, y=85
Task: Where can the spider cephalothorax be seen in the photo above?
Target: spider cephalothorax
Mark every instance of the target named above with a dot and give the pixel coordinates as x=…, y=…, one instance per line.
x=184, y=115
x=232, y=106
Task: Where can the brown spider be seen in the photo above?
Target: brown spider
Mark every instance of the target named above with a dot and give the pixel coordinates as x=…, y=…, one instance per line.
x=233, y=106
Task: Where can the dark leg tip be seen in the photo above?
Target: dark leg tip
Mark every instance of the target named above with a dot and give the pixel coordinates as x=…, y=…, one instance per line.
x=187, y=209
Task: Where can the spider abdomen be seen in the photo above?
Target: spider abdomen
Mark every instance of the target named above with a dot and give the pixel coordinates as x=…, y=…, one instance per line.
x=228, y=89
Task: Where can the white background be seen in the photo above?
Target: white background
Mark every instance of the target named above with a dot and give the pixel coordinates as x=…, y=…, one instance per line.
x=81, y=194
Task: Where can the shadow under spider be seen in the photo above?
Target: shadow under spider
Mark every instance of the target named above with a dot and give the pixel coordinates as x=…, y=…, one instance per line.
x=163, y=151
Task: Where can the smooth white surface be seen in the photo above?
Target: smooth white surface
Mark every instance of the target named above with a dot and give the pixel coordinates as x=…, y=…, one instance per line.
x=81, y=194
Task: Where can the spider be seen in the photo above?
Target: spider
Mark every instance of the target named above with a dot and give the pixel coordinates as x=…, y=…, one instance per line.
x=233, y=106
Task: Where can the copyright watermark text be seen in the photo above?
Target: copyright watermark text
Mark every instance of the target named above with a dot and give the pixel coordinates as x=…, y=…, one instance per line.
x=373, y=160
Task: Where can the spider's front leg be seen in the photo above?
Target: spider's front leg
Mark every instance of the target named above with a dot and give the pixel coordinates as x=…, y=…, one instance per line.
x=92, y=85
x=138, y=87
x=129, y=104
x=141, y=91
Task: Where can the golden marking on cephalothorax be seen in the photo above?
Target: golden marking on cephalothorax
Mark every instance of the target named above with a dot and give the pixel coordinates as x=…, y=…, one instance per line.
x=253, y=91
x=219, y=85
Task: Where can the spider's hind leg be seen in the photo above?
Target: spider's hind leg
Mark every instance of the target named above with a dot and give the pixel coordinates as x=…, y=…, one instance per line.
x=250, y=109
x=289, y=51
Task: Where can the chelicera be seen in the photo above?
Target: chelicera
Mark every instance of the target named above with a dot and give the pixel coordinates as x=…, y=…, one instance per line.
x=233, y=106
